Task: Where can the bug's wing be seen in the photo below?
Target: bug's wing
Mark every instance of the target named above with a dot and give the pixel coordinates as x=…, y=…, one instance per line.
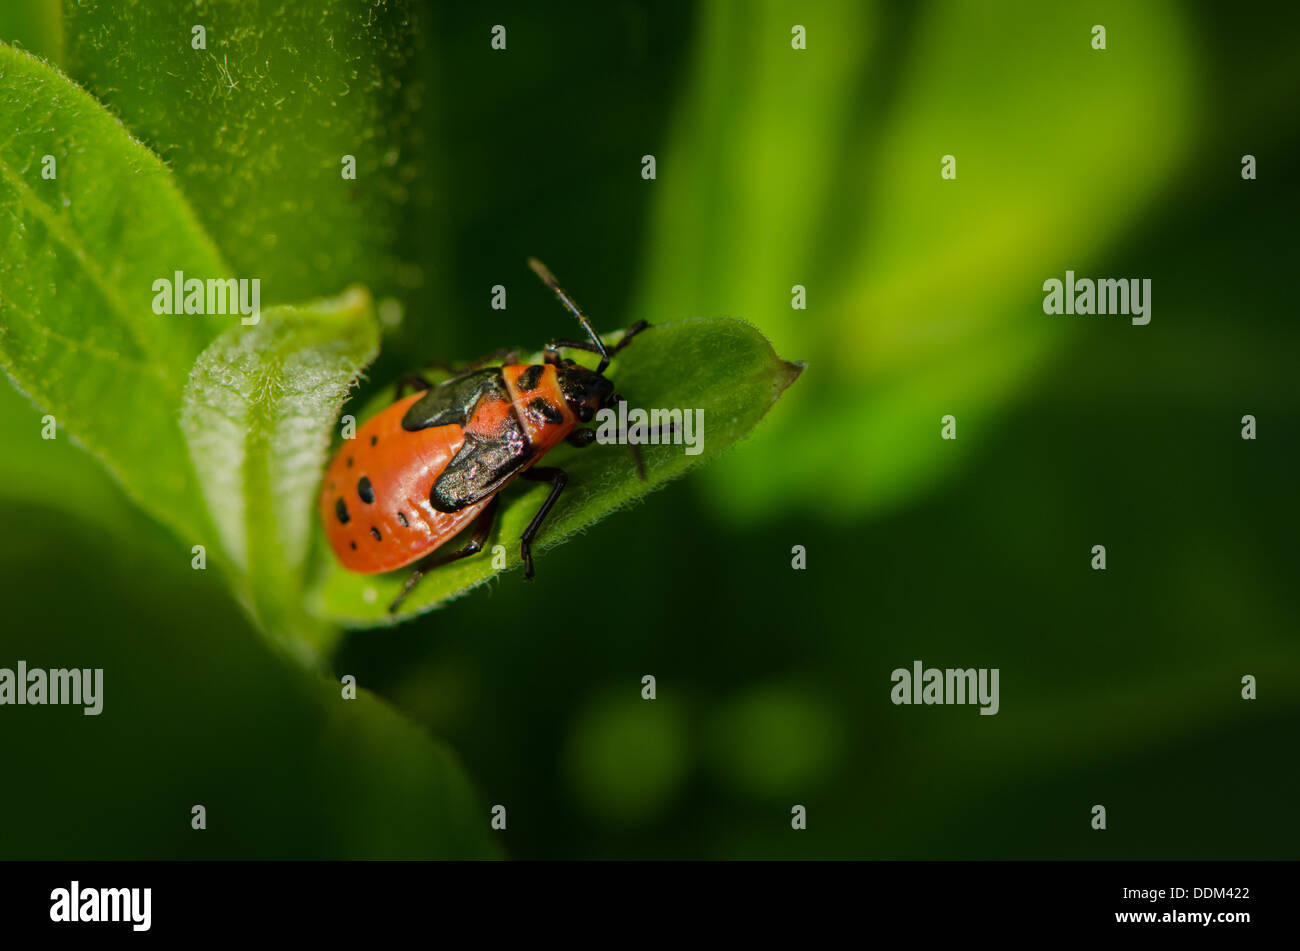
x=483, y=465
x=453, y=402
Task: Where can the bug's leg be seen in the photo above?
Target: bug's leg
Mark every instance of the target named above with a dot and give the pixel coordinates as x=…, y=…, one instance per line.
x=416, y=575
x=582, y=438
x=589, y=347
x=631, y=332
x=655, y=433
x=558, y=479
x=572, y=345
x=482, y=528
x=417, y=384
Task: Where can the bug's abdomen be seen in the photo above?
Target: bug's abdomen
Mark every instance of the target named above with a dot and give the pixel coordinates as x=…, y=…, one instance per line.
x=374, y=500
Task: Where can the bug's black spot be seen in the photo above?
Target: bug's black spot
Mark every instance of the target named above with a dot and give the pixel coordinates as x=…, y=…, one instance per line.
x=366, y=490
x=349, y=462
x=374, y=531
x=401, y=517
x=529, y=379
x=549, y=413
x=354, y=546
x=374, y=440
x=341, y=510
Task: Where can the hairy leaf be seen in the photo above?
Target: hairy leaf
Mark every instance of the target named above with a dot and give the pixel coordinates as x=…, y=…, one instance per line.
x=256, y=124
x=257, y=413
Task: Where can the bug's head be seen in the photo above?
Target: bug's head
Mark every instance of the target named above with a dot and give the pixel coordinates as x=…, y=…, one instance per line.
x=584, y=390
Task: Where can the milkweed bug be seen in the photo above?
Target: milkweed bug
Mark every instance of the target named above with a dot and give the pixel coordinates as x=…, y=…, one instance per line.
x=433, y=463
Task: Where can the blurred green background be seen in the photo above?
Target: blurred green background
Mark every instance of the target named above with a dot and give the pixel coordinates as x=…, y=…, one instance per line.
x=775, y=167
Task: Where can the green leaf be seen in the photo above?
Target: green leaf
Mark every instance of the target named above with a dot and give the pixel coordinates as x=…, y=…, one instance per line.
x=257, y=414
x=256, y=125
x=721, y=366
x=78, y=257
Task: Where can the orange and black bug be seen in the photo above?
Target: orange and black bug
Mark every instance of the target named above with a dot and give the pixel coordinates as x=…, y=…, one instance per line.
x=427, y=467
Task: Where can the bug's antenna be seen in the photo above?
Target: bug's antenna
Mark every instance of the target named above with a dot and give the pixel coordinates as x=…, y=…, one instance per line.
x=549, y=280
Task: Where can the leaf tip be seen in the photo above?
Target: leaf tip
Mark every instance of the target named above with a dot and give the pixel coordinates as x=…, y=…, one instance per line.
x=791, y=371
